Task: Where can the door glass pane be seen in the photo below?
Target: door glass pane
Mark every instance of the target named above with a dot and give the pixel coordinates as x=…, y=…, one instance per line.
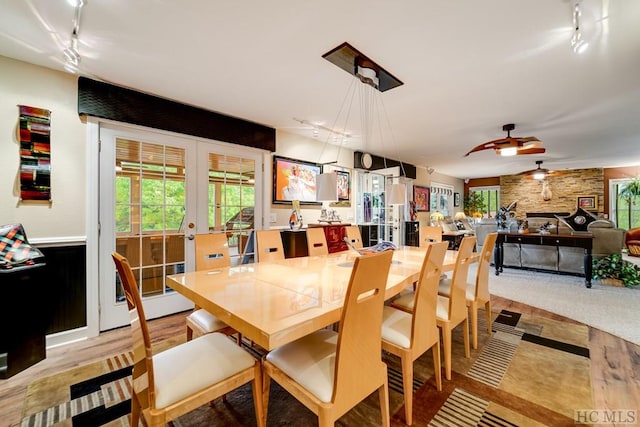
x=149, y=212
x=231, y=203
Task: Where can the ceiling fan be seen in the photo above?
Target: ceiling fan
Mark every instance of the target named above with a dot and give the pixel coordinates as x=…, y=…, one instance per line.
x=511, y=145
x=538, y=173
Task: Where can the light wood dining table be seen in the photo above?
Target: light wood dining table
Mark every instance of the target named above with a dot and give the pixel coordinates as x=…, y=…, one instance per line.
x=278, y=302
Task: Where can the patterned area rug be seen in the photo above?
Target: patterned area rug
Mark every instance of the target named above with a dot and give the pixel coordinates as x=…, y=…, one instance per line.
x=530, y=371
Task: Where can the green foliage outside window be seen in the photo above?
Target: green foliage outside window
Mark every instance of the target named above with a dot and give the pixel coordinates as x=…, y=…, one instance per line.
x=628, y=211
x=123, y=204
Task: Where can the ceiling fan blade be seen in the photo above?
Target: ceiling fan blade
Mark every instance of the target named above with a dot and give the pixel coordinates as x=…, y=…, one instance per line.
x=527, y=139
x=504, y=142
x=534, y=171
x=484, y=146
x=532, y=150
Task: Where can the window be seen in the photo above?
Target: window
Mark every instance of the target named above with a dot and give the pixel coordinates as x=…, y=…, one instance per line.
x=491, y=199
x=441, y=199
x=624, y=212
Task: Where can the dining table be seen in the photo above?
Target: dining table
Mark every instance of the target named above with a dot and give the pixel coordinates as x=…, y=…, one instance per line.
x=274, y=303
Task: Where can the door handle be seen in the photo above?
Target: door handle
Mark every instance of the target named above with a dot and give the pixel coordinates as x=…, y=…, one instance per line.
x=191, y=236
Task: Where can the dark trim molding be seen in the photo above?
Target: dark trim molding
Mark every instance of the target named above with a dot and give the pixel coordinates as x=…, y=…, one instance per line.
x=107, y=101
x=379, y=162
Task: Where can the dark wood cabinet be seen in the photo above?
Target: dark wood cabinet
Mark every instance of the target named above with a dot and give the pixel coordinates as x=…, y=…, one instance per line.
x=411, y=233
x=584, y=241
x=294, y=243
x=369, y=233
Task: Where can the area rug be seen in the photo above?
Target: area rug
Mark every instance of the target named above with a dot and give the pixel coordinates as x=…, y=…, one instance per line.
x=529, y=371
x=608, y=308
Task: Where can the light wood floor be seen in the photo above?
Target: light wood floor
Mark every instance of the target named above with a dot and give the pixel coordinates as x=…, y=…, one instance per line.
x=615, y=363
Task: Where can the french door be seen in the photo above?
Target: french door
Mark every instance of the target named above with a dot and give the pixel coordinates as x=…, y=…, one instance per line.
x=156, y=192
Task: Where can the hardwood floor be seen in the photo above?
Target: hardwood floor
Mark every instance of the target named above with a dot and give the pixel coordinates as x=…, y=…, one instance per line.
x=615, y=363
x=13, y=390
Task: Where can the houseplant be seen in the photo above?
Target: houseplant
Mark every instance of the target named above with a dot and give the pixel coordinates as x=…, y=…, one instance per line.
x=474, y=204
x=615, y=268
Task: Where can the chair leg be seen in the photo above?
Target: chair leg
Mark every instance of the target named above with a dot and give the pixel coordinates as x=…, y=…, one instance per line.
x=465, y=330
x=473, y=313
x=487, y=309
x=446, y=341
x=258, y=403
x=266, y=383
x=436, y=365
x=189, y=334
x=407, y=388
x=135, y=410
x=239, y=339
x=383, y=394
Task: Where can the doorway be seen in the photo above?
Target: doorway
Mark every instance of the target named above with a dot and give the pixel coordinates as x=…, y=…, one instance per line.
x=156, y=192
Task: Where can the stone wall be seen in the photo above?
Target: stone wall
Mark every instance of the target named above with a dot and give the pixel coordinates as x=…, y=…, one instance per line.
x=565, y=188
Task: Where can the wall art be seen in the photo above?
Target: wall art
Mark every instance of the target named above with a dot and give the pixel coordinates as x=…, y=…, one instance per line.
x=35, y=153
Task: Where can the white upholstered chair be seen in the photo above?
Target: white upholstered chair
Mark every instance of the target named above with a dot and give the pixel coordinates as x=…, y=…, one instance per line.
x=477, y=288
x=410, y=335
x=331, y=372
x=269, y=243
x=429, y=234
x=451, y=310
x=352, y=233
x=316, y=241
x=212, y=251
x=176, y=381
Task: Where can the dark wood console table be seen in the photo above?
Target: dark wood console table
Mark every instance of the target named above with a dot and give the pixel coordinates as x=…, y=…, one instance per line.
x=584, y=241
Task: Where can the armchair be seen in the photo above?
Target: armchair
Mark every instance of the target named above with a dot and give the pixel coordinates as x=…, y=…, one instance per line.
x=632, y=241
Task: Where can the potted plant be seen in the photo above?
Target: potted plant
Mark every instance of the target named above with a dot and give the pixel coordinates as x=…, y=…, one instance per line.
x=474, y=204
x=613, y=268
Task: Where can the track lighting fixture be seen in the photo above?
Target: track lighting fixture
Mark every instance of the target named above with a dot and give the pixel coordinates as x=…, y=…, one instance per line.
x=578, y=44
x=71, y=52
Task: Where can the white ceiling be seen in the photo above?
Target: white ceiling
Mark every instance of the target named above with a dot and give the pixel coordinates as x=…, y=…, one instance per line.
x=468, y=67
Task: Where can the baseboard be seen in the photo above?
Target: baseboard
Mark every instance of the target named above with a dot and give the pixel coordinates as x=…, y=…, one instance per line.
x=67, y=337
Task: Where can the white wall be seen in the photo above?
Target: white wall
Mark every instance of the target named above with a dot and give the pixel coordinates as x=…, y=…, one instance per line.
x=312, y=150
x=25, y=84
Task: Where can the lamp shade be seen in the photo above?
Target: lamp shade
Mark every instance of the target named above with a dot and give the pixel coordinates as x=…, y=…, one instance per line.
x=327, y=187
x=397, y=194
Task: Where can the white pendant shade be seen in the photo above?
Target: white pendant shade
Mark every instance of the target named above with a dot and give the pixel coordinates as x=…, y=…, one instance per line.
x=327, y=187
x=397, y=194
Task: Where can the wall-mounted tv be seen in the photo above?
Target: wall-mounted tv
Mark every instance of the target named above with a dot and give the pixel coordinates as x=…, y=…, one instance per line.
x=294, y=180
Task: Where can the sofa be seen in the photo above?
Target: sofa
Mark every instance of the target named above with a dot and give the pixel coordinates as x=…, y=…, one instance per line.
x=607, y=239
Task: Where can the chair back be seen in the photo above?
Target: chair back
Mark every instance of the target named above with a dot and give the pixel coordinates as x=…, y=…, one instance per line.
x=352, y=233
x=359, y=369
x=212, y=251
x=269, y=244
x=484, y=267
x=424, y=330
x=458, y=293
x=430, y=234
x=317, y=241
x=142, y=376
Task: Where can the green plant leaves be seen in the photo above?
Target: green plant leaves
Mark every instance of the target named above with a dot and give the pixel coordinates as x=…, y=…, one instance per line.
x=614, y=267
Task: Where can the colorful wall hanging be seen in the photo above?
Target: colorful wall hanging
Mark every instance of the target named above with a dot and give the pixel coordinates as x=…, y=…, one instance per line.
x=35, y=153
